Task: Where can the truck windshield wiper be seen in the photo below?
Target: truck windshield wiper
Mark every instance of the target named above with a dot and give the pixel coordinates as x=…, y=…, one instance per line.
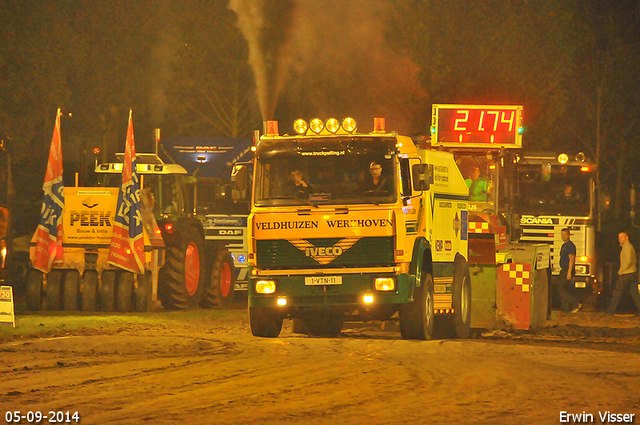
x=274, y=198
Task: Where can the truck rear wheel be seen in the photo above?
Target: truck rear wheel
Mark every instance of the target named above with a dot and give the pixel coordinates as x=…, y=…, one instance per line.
x=52, y=290
x=299, y=326
x=222, y=282
x=124, y=292
x=265, y=322
x=90, y=290
x=180, y=278
x=143, y=292
x=70, y=290
x=108, y=291
x=416, y=318
x=461, y=320
x=34, y=290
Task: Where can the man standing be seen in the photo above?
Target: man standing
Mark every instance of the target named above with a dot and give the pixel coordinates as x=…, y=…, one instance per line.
x=627, y=276
x=567, y=272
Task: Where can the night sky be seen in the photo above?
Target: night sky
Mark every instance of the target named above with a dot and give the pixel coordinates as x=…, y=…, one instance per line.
x=191, y=68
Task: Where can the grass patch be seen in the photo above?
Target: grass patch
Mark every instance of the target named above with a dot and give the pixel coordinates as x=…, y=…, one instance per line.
x=52, y=324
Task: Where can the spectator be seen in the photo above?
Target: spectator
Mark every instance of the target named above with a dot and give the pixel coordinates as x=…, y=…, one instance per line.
x=567, y=273
x=627, y=276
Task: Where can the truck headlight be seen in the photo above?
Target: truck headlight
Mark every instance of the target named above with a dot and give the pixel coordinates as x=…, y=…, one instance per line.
x=384, y=284
x=265, y=287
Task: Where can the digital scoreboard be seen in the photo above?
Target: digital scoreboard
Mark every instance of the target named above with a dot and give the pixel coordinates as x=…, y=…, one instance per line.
x=491, y=126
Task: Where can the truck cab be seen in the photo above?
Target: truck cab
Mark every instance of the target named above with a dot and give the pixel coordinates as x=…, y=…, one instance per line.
x=351, y=226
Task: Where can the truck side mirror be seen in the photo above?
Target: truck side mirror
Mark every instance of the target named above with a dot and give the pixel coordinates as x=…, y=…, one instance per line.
x=241, y=181
x=420, y=177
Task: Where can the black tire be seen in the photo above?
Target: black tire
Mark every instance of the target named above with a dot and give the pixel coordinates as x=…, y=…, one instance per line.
x=461, y=288
x=71, y=290
x=299, y=326
x=90, y=291
x=53, y=290
x=458, y=324
x=222, y=281
x=265, y=322
x=417, y=318
x=108, y=291
x=34, y=290
x=124, y=292
x=324, y=326
x=143, y=293
x=180, y=280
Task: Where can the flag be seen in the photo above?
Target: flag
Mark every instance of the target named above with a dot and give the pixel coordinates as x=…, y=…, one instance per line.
x=127, y=244
x=49, y=234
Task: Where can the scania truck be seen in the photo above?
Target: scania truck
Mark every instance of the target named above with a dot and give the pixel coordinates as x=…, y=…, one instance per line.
x=356, y=226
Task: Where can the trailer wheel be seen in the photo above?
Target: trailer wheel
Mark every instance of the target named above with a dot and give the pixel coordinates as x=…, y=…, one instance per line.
x=416, y=318
x=124, y=292
x=70, y=290
x=180, y=278
x=34, y=290
x=90, y=290
x=324, y=326
x=143, y=292
x=108, y=291
x=52, y=290
x=222, y=282
x=265, y=322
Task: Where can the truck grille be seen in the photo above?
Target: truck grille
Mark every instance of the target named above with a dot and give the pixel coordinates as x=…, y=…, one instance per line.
x=366, y=252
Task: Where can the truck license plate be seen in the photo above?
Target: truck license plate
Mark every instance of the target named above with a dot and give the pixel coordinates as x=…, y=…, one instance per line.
x=323, y=280
x=581, y=284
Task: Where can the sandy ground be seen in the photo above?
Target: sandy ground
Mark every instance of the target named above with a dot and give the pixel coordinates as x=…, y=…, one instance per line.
x=210, y=370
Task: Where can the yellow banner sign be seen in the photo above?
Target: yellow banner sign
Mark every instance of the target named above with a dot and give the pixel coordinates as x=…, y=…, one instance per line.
x=88, y=214
x=323, y=224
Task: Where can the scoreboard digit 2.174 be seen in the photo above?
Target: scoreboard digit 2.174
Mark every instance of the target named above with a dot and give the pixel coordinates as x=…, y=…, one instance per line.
x=476, y=126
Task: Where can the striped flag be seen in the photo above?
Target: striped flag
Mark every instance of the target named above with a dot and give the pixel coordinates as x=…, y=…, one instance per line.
x=49, y=234
x=127, y=244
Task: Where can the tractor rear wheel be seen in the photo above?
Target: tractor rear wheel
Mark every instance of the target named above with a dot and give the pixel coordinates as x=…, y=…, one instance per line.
x=222, y=281
x=180, y=278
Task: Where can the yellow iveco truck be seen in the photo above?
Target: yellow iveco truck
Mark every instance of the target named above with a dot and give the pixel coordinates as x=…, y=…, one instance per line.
x=351, y=226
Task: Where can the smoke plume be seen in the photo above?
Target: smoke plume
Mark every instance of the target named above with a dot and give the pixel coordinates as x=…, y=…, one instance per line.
x=331, y=58
x=266, y=25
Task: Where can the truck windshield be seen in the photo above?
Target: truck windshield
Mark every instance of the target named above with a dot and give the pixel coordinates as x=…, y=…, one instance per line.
x=326, y=171
x=215, y=196
x=554, y=190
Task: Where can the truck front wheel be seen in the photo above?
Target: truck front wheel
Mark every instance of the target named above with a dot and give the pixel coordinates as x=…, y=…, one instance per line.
x=265, y=322
x=416, y=318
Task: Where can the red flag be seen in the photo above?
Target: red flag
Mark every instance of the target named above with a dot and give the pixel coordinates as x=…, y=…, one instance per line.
x=127, y=243
x=49, y=234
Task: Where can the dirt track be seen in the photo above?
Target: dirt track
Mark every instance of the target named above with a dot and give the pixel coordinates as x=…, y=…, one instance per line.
x=213, y=371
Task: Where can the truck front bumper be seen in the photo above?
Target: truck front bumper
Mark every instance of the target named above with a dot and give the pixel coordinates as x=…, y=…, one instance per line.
x=355, y=290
